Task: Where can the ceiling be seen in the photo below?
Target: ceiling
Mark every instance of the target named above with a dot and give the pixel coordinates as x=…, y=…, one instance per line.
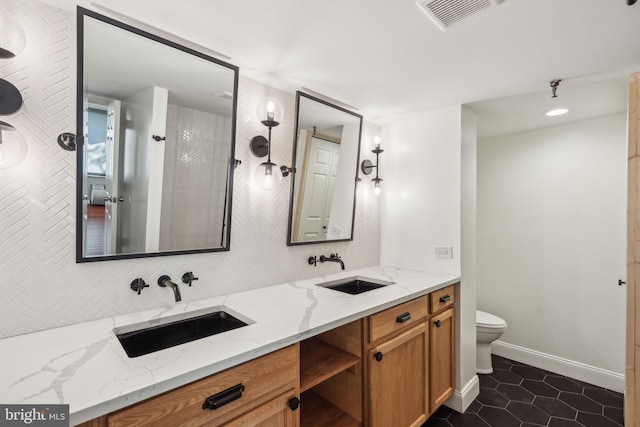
x=386, y=58
x=117, y=65
x=518, y=113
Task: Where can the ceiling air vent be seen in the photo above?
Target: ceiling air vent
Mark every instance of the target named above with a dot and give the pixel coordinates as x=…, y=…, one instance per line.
x=446, y=13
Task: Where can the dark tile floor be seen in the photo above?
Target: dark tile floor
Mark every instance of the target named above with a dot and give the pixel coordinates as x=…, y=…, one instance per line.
x=519, y=395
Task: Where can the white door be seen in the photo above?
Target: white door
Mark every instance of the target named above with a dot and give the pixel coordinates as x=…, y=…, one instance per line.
x=111, y=179
x=318, y=189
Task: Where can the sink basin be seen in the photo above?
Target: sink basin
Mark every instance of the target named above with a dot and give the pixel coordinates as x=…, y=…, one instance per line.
x=173, y=332
x=355, y=285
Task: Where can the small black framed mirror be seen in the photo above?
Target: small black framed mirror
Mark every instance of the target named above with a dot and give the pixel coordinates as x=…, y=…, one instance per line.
x=326, y=154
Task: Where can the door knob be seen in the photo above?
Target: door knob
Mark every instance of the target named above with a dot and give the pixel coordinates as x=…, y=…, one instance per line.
x=378, y=356
x=113, y=199
x=438, y=323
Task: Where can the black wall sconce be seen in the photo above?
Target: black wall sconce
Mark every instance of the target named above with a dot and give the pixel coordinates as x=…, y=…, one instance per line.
x=366, y=167
x=267, y=176
x=13, y=148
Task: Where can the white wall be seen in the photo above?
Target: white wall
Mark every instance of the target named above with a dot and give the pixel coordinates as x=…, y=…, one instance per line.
x=421, y=190
x=41, y=285
x=551, y=245
x=427, y=158
x=466, y=304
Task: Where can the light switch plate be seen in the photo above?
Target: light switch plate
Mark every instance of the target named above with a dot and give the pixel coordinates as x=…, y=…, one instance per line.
x=444, y=252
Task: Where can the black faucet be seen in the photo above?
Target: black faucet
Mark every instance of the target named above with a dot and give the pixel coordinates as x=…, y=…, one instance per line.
x=187, y=278
x=138, y=285
x=332, y=258
x=165, y=281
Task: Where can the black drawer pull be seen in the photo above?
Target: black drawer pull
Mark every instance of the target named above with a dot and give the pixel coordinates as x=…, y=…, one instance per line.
x=218, y=400
x=378, y=355
x=293, y=403
x=438, y=323
x=403, y=317
x=445, y=298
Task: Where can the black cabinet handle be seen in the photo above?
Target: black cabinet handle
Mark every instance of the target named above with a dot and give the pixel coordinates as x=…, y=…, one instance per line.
x=403, y=317
x=445, y=298
x=293, y=403
x=378, y=356
x=438, y=323
x=218, y=400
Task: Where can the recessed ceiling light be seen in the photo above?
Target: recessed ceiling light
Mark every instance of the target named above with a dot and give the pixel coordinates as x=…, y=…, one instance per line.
x=556, y=112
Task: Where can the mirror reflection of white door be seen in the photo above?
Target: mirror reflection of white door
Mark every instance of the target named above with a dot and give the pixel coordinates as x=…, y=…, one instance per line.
x=322, y=166
x=144, y=115
x=111, y=206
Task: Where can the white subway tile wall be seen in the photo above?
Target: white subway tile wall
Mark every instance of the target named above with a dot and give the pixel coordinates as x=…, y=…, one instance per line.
x=42, y=287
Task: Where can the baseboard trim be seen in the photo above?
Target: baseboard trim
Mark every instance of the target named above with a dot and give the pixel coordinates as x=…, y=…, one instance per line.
x=460, y=400
x=580, y=371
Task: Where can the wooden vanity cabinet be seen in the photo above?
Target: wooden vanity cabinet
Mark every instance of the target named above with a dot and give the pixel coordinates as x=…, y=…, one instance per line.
x=331, y=382
x=274, y=413
x=410, y=364
x=398, y=365
x=256, y=393
x=391, y=369
x=441, y=347
x=398, y=373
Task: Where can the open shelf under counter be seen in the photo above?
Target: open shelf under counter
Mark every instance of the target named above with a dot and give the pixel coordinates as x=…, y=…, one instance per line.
x=318, y=412
x=320, y=361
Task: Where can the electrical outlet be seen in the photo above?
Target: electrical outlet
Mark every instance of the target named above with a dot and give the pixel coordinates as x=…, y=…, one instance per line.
x=444, y=252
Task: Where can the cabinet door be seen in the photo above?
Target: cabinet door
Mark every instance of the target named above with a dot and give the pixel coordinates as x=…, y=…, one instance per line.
x=398, y=375
x=274, y=413
x=441, y=365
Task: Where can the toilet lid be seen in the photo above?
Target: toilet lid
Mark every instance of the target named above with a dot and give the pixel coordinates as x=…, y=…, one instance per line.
x=488, y=320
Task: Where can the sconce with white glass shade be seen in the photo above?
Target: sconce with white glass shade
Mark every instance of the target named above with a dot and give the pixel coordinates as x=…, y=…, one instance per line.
x=13, y=148
x=367, y=166
x=267, y=175
x=12, y=36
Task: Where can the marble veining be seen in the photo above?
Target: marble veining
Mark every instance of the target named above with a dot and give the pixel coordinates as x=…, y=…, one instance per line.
x=85, y=366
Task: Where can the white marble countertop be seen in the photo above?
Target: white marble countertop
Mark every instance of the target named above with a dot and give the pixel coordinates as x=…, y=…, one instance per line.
x=85, y=366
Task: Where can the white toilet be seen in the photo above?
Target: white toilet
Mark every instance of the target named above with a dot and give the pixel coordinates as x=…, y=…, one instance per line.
x=488, y=329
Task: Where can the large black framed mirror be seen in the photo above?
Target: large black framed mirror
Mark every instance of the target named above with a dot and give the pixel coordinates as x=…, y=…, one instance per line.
x=156, y=136
x=326, y=154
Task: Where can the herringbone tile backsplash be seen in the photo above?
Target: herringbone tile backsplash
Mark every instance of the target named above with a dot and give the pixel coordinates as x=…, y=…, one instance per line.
x=42, y=287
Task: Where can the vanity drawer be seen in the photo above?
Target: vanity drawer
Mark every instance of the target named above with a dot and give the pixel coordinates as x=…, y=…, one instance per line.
x=396, y=318
x=261, y=379
x=441, y=299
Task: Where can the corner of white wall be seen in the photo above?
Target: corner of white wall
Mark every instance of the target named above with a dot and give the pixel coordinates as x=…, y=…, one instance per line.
x=429, y=200
x=421, y=194
x=466, y=379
